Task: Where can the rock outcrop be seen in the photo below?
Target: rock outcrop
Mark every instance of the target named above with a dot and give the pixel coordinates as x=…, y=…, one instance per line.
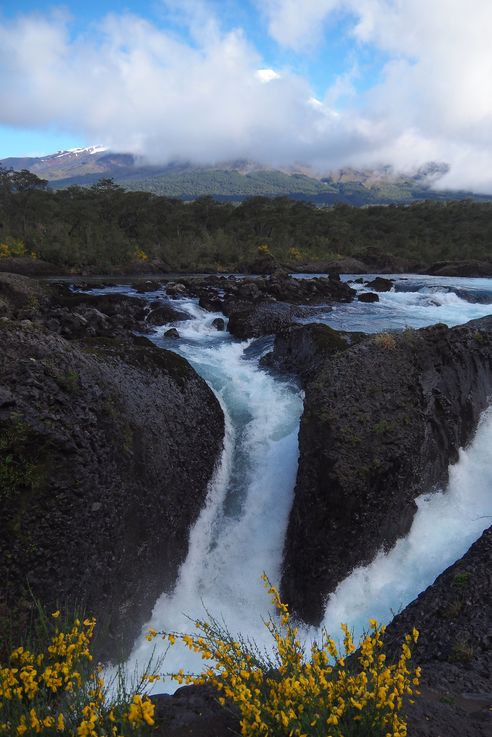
x=264, y=305
x=303, y=349
x=106, y=453
x=454, y=619
x=460, y=268
x=264, y=318
x=382, y=422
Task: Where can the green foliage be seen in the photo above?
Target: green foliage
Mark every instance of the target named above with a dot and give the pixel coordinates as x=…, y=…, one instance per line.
x=19, y=472
x=103, y=226
x=462, y=579
x=461, y=652
x=384, y=426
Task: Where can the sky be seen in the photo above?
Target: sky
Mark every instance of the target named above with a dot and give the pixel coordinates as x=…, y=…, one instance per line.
x=322, y=83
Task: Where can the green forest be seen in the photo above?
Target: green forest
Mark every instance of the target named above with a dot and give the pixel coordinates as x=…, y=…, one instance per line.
x=104, y=226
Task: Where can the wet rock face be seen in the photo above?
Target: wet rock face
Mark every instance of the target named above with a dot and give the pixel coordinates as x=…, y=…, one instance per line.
x=368, y=297
x=381, y=423
x=106, y=453
x=454, y=619
x=161, y=314
x=302, y=349
x=379, y=284
x=252, y=321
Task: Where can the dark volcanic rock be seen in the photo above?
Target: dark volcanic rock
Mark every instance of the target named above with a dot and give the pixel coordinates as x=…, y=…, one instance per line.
x=460, y=268
x=454, y=618
x=262, y=264
x=368, y=297
x=165, y=313
x=380, y=284
x=382, y=421
x=21, y=296
x=34, y=267
x=171, y=333
x=264, y=318
x=221, y=293
x=218, y=323
x=193, y=711
x=302, y=349
x=106, y=452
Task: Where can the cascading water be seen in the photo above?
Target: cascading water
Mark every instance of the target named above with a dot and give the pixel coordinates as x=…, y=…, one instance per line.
x=240, y=531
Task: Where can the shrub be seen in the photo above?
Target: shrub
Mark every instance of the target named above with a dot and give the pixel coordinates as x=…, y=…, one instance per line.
x=385, y=341
x=57, y=689
x=294, y=254
x=12, y=247
x=323, y=691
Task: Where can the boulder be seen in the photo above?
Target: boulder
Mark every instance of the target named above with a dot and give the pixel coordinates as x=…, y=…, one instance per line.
x=302, y=349
x=171, y=333
x=264, y=318
x=218, y=323
x=379, y=284
x=368, y=297
x=210, y=303
x=382, y=422
x=164, y=313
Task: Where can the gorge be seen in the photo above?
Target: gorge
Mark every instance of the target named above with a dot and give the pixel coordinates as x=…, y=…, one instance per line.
x=248, y=459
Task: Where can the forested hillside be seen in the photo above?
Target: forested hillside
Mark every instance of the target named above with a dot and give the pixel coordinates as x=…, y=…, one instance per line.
x=105, y=226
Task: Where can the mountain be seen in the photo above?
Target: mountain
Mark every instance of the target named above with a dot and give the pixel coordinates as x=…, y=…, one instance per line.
x=235, y=181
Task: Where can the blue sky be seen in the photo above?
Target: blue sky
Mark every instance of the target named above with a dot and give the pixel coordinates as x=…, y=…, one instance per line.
x=320, y=64
x=323, y=83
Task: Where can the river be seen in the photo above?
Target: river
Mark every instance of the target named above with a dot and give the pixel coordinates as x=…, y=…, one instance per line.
x=240, y=532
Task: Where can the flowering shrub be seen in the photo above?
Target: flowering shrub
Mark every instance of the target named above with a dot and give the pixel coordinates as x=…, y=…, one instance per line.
x=12, y=247
x=294, y=254
x=325, y=692
x=60, y=691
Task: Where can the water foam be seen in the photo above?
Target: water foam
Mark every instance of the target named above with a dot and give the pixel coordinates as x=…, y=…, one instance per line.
x=446, y=524
x=241, y=530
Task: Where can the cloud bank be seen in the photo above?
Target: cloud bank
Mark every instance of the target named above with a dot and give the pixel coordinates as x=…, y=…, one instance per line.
x=207, y=95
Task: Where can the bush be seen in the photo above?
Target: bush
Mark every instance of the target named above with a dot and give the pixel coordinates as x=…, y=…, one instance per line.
x=12, y=247
x=57, y=689
x=385, y=341
x=323, y=691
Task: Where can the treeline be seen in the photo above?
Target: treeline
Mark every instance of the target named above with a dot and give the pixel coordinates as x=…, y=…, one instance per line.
x=105, y=226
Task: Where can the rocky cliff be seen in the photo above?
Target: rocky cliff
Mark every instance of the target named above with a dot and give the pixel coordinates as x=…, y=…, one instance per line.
x=382, y=422
x=454, y=619
x=106, y=452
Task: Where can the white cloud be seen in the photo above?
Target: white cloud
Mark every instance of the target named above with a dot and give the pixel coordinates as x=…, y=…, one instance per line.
x=434, y=98
x=266, y=75
x=132, y=86
x=297, y=24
